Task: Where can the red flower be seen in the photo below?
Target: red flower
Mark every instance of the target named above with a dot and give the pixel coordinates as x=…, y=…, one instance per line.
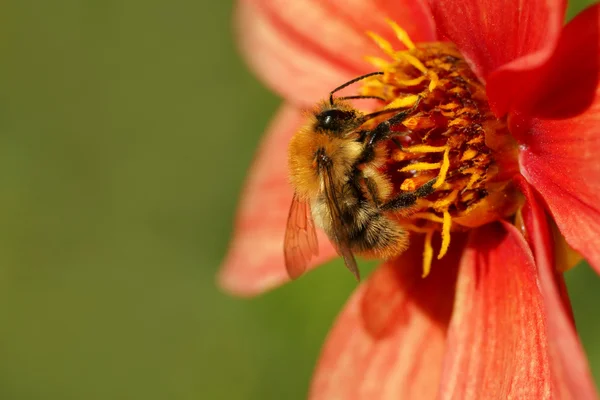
x=493, y=318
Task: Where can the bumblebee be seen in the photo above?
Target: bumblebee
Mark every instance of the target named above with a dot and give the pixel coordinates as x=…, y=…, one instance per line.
x=334, y=168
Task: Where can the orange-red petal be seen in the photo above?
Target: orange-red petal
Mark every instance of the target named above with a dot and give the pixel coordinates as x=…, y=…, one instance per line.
x=564, y=85
x=513, y=35
x=559, y=158
x=569, y=365
x=497, y=341
x=302, y=49
x=254, y=262
x=389, y=341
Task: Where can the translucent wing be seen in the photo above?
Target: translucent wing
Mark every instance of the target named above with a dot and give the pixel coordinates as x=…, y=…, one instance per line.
x=300, y=242
x=340, y=230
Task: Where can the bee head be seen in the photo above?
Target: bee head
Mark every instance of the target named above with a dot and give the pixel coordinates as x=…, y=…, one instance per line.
x=338, y=122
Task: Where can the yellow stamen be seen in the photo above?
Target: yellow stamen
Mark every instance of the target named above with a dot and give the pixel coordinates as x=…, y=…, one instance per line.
x=383, y=44
x=423, y=148
x=468, y=155
x=427, y=254
x=445, y=202
x=410, y=82
x=448, y=106
x=434, y=79
x=412, y=60
x=468, y=196
x=443, y=170
x=401, y=34
x=474, y=178
x=420, y=166
x=447, y=224
x=458, y=122
x=379, y=63
x=408, y=185
x=402, y=102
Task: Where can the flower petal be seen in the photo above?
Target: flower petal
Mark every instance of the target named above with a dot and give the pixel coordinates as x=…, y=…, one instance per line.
x=569, y=364
x=564, y=85
x=493, y=33
x=497, y=342
x=255, y=261
x=389, y=341
x=305, y=48
x=560, y=160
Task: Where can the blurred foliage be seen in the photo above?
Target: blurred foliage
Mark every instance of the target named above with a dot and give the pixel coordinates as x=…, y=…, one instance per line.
x=126, y=129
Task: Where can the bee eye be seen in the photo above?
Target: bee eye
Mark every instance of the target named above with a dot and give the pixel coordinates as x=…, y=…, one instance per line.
x=334, y=120
x=331, y=116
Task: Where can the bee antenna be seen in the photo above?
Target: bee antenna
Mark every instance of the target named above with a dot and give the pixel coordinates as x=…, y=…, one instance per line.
x=385, y=111
x=360, y=78
x=391, y=110
x=360, y=97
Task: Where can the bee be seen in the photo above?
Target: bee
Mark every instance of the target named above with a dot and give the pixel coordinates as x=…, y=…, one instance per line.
x=334, y=168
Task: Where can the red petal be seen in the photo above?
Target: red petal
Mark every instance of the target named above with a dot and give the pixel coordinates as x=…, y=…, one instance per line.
x=569, y=364
x=560, y=160
x=305, y=48
x=497, y=343
x=255, y=259
x=397, y=354
x=493, y=33
x=564, y=85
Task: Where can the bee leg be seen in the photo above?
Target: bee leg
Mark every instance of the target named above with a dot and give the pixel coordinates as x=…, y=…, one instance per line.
x=397, y=143
x=384, y=129
x=407, y=199
x=381, y=132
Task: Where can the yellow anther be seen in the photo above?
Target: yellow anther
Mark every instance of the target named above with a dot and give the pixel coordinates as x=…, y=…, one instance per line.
x=410, y=82
x=383, y=44
x=443, y=170
x=448, y=114
x=418, y=122
x=467, y=196
x=446, y=186
x=428, y=216
x=420, y=166
x=468, y=154
x=377, y=62
x=412, y=60
x=433, y=80
x=448, y=106
x=402, y=102
x=447, y=224
x=408, y=185
x=423, y=148
x=427, y=253
x=476, y=140
x=445, y=202
x=401, y=34
x=474, y=178
x=459, y=122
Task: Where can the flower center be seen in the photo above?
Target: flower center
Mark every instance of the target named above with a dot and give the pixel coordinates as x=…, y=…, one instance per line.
x=451, y=134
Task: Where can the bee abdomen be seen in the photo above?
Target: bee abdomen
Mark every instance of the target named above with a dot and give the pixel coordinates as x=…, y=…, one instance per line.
x=380, y=237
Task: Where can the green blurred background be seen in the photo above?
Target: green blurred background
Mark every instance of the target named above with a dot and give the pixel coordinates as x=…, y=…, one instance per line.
x=126, y=129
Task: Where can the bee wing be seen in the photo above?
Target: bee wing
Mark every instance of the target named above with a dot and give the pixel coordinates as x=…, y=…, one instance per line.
x=340, y=232
x=300, y=243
